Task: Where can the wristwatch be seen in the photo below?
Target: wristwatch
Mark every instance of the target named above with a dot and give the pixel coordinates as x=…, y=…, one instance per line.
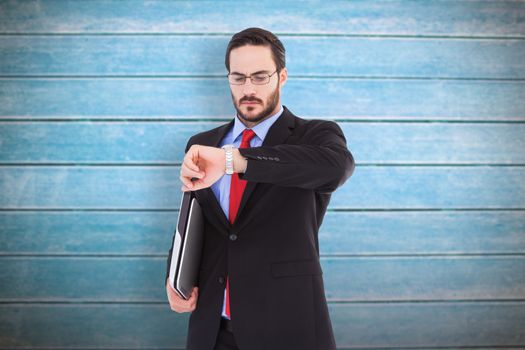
x=229, y=158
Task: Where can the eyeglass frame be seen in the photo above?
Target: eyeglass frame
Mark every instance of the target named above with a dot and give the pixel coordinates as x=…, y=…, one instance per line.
x=250, y=76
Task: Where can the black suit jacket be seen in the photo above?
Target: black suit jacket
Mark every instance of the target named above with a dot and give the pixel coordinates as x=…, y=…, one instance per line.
x=271, y=252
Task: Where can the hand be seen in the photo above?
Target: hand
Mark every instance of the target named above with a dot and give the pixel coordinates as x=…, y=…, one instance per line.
x=177, y=303
x=205, y=163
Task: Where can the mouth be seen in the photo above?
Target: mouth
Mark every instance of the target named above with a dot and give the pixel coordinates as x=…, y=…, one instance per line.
x=249, y=103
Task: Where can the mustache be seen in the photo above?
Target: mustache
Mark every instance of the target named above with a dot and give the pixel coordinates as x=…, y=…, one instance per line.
x=249, y=99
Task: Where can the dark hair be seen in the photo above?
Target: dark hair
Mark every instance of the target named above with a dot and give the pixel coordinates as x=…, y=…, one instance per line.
x=257, y=36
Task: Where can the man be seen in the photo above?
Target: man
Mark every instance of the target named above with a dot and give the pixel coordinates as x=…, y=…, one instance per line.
x=260, y=281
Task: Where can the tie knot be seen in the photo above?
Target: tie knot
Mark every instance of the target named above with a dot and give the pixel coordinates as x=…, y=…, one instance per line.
x=247, y=135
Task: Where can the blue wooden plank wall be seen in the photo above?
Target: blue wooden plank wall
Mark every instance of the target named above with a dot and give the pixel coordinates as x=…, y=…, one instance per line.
x=424, y=247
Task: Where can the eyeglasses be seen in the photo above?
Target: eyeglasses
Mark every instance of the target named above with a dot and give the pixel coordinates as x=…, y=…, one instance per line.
x=256, y=79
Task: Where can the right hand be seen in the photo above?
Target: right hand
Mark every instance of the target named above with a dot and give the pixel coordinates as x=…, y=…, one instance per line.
x=205, y=163
x=177, y=303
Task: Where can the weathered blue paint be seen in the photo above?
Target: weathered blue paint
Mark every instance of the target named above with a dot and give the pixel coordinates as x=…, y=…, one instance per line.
x=435, y=17
x=362, y=325
x=145, y=233
x=160, y=142
x=423, y=248
x=372, y=187
x=349, y=279
x=196, y=55
x=417, y=99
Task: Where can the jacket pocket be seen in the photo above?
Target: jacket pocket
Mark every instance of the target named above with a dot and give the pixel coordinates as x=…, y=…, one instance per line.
x=296, y=268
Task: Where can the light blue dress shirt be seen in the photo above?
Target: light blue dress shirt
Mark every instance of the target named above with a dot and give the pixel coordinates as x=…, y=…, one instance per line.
x=221, y=188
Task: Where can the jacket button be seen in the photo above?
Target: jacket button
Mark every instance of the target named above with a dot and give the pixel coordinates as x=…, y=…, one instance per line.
x=233, y=237
x=220, y=279
x=276, y=158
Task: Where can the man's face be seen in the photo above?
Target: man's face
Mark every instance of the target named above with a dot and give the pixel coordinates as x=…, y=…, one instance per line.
x=253, y=102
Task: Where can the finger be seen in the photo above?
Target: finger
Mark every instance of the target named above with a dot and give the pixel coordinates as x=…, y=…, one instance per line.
x=191, y=157
x=185, y=170
x=188, y=163
x=171, y=297
x=180, y=310
x=192, y=298
x=175, y=296
x=171, y=289
x=189, y=180
x=186, y=181
x=191, y=303
x=195, y=186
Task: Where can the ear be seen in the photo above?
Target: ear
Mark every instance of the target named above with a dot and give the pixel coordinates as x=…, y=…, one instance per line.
x=283, y=76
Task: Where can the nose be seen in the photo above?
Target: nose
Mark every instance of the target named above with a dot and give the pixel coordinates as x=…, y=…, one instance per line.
x=248, y=88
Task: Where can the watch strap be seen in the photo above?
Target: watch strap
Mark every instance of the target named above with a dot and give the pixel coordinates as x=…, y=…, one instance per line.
x=229, y=158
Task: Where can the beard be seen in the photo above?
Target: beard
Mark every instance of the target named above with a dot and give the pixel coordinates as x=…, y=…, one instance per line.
x=271, y=103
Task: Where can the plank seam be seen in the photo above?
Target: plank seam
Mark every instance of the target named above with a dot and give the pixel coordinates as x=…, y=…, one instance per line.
x=227, y=35
x=116, y=119
x=76, y=255
x=220, y=76
x=297, y=77
x=349, y=210
x=37, y=302
x=177, y=164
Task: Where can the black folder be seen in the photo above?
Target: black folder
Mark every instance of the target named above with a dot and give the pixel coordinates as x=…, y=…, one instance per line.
x=187, y=246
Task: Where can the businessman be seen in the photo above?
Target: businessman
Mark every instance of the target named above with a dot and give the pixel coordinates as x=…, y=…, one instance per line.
x=264, y=181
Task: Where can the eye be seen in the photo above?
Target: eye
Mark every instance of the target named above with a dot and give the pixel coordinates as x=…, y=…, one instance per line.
x=237, y=78
x=259, y=78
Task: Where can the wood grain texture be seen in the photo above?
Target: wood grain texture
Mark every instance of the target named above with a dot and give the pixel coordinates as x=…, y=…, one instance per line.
x=155, y=142
x=436, y=17
x=371, y=187
x=149, y=233
x=210, y=97
x=361, y=326
x=423, y=248
x=355, y=279
x=196, y=55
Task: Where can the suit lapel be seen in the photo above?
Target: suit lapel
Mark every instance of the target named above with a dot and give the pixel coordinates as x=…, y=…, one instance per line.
x=277, y=134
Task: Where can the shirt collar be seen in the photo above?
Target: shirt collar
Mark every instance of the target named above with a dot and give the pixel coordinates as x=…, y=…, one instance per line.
x=260, y=129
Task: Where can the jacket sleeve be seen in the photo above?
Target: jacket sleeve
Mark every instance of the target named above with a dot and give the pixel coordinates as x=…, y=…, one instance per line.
x=320, y=161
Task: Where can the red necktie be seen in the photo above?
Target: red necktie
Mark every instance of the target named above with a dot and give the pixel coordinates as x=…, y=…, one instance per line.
x=236, y=190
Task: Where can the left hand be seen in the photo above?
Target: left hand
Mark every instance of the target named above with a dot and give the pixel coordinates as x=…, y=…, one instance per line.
x=205, y=163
